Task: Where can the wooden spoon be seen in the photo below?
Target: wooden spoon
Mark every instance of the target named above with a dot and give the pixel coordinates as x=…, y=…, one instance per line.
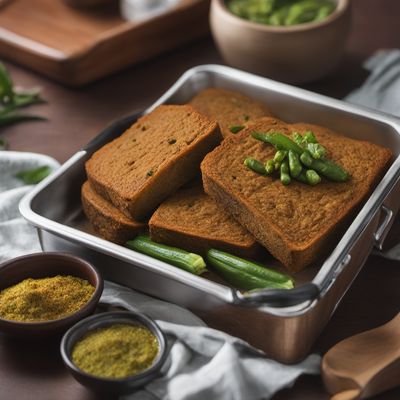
x=365, y=364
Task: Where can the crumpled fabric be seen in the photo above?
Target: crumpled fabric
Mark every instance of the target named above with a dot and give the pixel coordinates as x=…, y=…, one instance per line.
x=381, y=90
x=204, y=363
x=17, y=237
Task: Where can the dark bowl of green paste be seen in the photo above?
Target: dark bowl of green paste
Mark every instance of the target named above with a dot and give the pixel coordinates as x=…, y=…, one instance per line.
x=114, y=352
x=44, y=294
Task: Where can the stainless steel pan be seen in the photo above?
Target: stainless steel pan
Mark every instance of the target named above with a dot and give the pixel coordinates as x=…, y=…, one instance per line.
x=283, y=323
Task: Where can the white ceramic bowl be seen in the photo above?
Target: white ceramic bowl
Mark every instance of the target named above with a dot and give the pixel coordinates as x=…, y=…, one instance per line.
x=295, y=54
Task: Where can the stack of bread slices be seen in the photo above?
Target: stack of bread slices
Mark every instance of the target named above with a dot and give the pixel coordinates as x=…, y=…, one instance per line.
x=146, y=179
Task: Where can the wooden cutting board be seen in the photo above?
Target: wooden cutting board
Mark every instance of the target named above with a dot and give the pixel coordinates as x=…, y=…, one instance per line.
x=77, y=46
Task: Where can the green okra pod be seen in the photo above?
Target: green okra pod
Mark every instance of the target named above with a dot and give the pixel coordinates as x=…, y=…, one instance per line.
x=312, y=177
x=255, y=165
x=285, y=177
x=172, y=255
x=294, y=164
x=306, y=158
x=302, y=177
x=270, y=167
x=247, y=274
x=280, y=155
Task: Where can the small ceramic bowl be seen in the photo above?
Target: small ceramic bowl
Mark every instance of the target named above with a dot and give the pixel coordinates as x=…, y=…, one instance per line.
x=124, y=385
x=294, y=54
x=43, y=265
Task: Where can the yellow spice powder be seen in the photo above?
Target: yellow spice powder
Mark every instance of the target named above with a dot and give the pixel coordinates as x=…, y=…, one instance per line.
x=44, y=299
x=116, y=351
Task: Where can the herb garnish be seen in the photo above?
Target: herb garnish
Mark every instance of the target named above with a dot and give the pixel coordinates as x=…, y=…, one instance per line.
x=33, y=176
x=12, y=98
x=236, y=128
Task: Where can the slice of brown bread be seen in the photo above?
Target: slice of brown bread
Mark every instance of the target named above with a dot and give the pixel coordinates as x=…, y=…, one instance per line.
x=296, y=223
x=228, y=108
x=107, y=220
x=153, y=158
x=192, y=220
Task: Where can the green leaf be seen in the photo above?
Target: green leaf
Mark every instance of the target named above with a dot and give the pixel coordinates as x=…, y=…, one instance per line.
x=23, y=99
x=6, y=85
x=33, y=176
x=12, y=117
x=3, y=144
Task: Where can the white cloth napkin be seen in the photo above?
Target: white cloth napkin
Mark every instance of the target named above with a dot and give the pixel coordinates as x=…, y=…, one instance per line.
x=381, y=91
x=16, y=236
x=202, y=361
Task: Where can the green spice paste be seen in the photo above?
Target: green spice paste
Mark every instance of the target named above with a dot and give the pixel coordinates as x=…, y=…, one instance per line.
x=116, y=351
x=44, y=299
x=282, y=12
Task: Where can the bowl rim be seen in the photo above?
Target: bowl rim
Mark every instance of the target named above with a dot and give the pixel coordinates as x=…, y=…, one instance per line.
x=108, y=319
x=70, y=318
x=341, y=8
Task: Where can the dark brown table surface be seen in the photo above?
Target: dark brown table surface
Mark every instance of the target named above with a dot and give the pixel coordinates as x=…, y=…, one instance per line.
x=34, y=371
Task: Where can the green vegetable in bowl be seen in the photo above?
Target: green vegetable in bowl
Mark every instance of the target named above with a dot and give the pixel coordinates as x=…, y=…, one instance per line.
x=282, y=12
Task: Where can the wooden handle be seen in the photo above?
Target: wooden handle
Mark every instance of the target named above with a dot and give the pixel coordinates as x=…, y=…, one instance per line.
x=351, y=394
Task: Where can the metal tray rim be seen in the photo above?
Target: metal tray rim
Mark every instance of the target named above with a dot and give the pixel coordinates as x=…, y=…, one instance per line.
x=218, y=290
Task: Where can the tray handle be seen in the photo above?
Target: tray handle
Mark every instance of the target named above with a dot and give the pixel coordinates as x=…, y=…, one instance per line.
x=383, y=229
x=279, y=297
x=112, y=131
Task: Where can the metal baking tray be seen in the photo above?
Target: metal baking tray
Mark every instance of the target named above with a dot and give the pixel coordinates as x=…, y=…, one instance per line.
x=283, y=323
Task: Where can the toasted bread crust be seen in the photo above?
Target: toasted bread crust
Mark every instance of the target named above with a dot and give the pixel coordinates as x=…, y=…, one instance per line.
x=296, y=223
x=228, y=108
x=107, y=220
x=152, y=159
x=190, y=219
